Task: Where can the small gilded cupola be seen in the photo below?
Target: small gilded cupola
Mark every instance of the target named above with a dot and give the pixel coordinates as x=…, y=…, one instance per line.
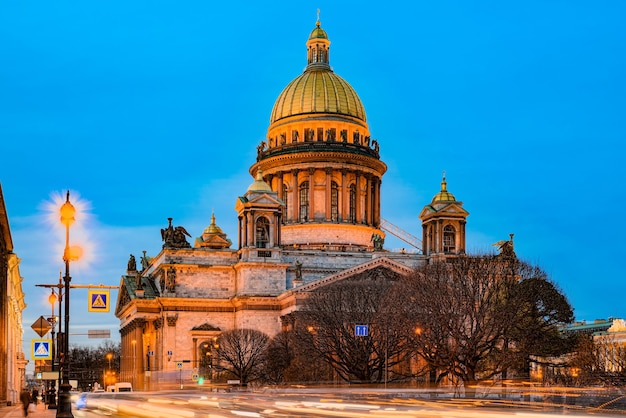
x=443, y=224
x=213, y=237
x=318, y=47
x=444, y=195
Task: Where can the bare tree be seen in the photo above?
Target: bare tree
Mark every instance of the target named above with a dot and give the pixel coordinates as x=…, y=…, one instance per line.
x=241, y=353
x=278, y=357
x=328, y=323
x=289, y=358
x=461, y=310
x=90, y=364
x=599, y=360
x=475, y=317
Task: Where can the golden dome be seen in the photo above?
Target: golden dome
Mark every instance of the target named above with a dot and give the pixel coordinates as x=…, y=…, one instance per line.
x=213, y=228
x=444, y=195
x=212, y=237
x=318, y=89
x=318, y=32
x=258, y=185
x=318, y=92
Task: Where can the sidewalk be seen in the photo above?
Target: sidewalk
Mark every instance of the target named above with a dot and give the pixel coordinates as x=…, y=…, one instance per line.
x=15, y=411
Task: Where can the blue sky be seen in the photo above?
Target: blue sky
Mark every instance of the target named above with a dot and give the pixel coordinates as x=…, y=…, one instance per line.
x=153, y=109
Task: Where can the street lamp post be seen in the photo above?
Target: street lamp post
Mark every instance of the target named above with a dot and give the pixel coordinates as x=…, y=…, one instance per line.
x=109, y=357
x=64, y=409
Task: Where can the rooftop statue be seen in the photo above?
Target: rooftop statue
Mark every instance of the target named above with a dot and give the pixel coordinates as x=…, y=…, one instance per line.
x=132, y=264
x=174, y=237
x=506, y=248
x=378, y=241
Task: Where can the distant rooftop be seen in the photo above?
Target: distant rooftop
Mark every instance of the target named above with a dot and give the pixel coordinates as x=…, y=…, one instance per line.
x=589, y=327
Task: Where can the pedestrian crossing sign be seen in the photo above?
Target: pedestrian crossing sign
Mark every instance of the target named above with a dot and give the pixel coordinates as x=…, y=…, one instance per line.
x=41, y=349
x=99, y=301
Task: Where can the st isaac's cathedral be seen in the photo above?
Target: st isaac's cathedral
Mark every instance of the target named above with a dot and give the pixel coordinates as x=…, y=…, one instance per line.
x=311, y=217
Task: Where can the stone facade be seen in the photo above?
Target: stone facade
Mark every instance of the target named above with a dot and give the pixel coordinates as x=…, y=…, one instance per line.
x=310, y=217
x=12, y=304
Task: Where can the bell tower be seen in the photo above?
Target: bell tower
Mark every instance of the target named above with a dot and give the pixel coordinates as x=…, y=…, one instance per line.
x=259, y=214
x=443, y=224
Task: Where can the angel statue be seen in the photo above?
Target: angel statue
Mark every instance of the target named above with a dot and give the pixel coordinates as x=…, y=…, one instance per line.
x=174, y=237
x=506, y=248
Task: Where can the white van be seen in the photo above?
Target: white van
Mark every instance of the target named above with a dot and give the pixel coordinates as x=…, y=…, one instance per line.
x=123, y=387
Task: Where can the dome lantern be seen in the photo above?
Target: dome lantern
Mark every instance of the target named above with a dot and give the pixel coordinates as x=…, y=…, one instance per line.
x=444, y=195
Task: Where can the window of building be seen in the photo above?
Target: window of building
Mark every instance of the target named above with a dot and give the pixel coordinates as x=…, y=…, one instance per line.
x=304, y=201
x=262, y=232
x=449, y=238
x=334, y=202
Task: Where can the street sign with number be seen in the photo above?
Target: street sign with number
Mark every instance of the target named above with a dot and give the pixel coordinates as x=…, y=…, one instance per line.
x=179, y=365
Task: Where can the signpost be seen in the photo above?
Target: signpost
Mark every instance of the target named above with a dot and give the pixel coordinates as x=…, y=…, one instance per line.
x=99, y=301
x=42, y=349
x=99, y=333
x=41, y=326
x=361, y=331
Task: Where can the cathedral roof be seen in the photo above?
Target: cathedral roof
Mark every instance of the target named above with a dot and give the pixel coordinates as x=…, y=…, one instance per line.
x=318, y=89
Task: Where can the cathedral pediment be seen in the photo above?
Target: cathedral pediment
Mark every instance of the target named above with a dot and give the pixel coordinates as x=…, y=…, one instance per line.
x=213, y=241
x=453, y=209
x=123, y=298
x=264, y=199
x=205, y=327
x=383, y=266
x=260, y=200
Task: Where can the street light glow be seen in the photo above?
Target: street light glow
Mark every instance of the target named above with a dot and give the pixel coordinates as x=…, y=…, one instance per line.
x=58, y=213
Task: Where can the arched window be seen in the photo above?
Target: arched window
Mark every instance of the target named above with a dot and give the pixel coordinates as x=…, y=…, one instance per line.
x=262, y=232
x=286, y=202
x=352, y=203
x=449, y=239
x=334, y=202
x=304, y=201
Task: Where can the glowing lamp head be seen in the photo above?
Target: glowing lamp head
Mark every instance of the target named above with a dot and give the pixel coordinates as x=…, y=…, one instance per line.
x=52, y=298
x=75, y=252
x=67, y=212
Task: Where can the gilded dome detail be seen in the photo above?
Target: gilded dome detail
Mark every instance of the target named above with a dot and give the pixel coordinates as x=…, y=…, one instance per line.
x=318, y=92
x=258, y=185
x=444, y=195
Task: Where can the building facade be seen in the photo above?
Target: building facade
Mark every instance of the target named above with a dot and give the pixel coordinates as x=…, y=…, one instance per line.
x=310, y=217
x=12, y=304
